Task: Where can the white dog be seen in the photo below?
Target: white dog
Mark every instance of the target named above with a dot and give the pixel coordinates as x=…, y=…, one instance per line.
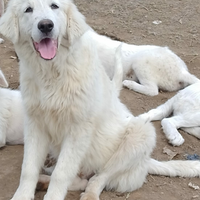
x=147, y=68
x=185, y=107
x=11, y=115
x=71, y=105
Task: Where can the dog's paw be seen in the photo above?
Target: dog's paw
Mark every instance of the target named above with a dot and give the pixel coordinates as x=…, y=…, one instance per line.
x=176, y=140
x=127, y=84
x=144, y=117
x=89, y=196
x=22, y=198
x=23, y=194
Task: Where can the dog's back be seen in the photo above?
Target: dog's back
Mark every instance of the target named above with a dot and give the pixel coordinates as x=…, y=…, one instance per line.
x=11, y=115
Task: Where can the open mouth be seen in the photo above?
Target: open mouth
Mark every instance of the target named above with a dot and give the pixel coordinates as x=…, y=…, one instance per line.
x=47, y=48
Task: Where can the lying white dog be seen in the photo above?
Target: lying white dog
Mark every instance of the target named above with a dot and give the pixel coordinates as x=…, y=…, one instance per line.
x=147, y=68
x=185, y=107
x=71, y=105
x=11, y=115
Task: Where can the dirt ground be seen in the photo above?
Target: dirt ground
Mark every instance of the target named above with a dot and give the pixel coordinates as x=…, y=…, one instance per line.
x=131, y=21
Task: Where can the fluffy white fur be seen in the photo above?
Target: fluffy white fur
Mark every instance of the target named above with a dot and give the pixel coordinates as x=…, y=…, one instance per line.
x=147, y=68
x=72, y=106
x=185, y=107
x=11, y=115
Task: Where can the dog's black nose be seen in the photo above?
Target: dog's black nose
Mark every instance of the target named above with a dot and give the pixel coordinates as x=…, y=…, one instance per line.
x=45, y=26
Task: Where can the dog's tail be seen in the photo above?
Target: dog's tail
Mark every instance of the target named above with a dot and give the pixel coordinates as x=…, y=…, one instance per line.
x=160, y=112
x=188, y=79
x=118, y=74
x=182, y=168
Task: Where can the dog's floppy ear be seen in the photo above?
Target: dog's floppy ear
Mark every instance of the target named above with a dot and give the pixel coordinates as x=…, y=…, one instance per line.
x=9, y=25
x=3, y=81
x=76, y=25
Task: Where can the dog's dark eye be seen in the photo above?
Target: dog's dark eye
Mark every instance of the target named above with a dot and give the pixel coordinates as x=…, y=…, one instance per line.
x=28, y=10
x=54, y=6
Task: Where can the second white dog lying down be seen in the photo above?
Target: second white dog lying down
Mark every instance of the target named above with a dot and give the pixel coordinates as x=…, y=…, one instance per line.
x=11, y=115
x=147, y=68
x=185, y=106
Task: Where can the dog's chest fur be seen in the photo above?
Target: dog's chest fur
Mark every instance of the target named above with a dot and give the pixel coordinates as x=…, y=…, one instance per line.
x=70, y=93
x=60, y=92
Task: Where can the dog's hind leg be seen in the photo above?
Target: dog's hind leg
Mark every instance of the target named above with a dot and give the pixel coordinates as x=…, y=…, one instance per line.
x=195, y=131
x=160, y=112
x=150, y=89
x=126, y=170
x=170, y=126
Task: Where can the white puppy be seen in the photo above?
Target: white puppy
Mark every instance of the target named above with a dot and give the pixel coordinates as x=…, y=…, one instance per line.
x=72, y=106
x=185, y=107
x=147, y=68
x=11, y=115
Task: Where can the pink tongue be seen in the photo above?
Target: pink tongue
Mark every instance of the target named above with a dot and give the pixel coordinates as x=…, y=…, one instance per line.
x=47, y=48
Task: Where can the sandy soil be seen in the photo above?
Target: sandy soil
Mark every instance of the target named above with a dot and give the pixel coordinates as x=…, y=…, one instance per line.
x=130, y=21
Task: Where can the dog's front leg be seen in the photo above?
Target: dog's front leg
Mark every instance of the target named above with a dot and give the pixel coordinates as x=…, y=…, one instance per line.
x=72, y=152
x=35, y=152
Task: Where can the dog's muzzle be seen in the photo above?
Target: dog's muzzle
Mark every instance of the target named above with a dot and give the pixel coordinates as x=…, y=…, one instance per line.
x=48, y=46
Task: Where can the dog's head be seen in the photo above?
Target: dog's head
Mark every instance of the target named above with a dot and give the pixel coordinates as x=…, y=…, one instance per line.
x=42, y=23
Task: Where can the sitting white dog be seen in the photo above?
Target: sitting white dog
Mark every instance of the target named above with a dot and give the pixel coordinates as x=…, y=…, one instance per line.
x=185, y=107
x=147, y=68
x=72, y=106
x=11, y=115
